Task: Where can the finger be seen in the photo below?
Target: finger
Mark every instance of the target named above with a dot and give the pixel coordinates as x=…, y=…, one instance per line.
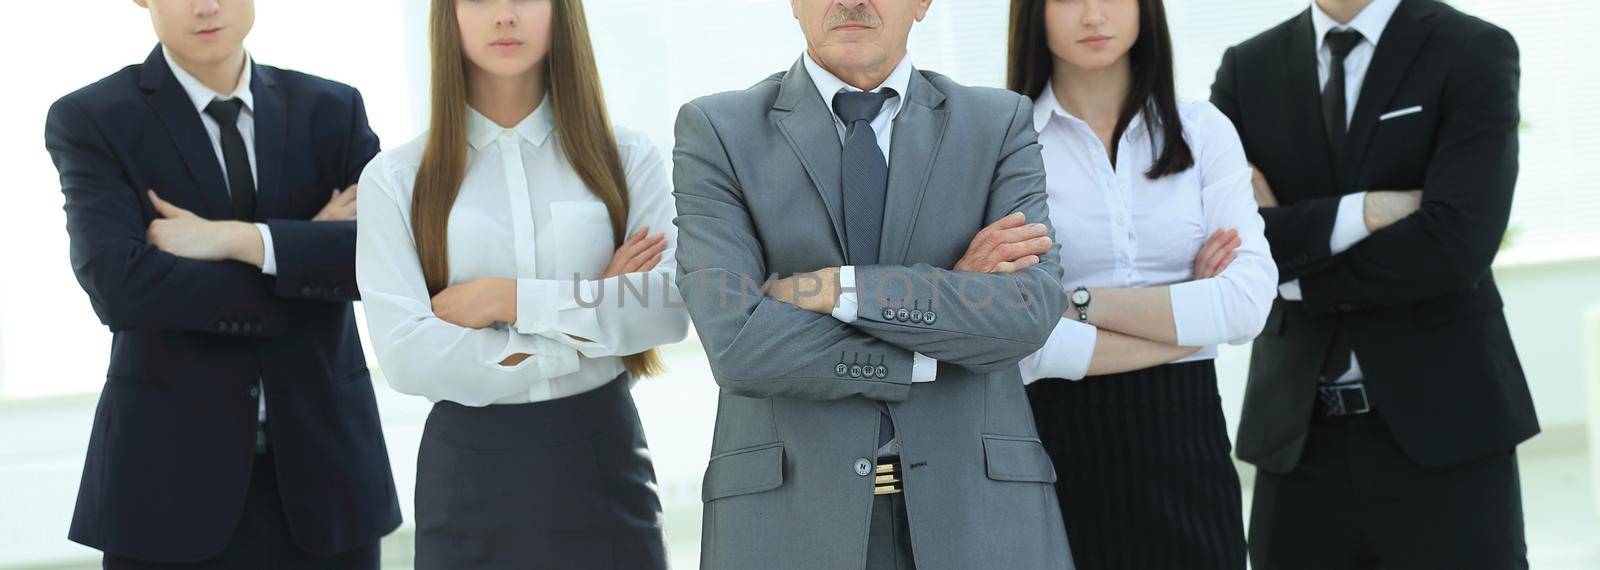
x=1226, y=261
x=652, y=249
x=634, y=257
x=1211, y=245
x=1024, y=263
x=651, y=264
x=1018, y=250
x=1022, y=233
x=163, y=208
x=349, y=194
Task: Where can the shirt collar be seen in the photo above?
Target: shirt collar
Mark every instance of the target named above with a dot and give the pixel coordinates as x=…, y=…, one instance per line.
x=1370, y=22
x=201, y=95
x=534, y=128
x=829, y=85
x=1046, y=107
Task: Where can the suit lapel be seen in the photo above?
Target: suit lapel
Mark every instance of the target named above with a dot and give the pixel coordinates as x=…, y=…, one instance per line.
x=808, y=127
x=177, y=113
x=1299, y=63
x=918, y=130
x=271, y=132
x=1401, y=42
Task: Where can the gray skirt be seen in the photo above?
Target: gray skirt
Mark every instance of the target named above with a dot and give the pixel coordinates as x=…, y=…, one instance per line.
x=565, y=483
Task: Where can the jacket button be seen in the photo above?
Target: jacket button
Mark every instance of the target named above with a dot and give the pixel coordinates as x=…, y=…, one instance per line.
x=222, y=326
x=863, y=467
x=1347, y=307
x=855, y=370
x=927, y=318
x=916, y=316
x=883, y=371
x=255, y=328
x=336, y=290
x=305, y=290
x=236, y=327
x=841, y=369
x=888, y=314
x=902, y=315
x=255, y=392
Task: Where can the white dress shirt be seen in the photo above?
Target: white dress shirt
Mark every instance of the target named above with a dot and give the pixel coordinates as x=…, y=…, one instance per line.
x=923, y=368
x=202, y=97
x=522, y=213
x=1118, y=228
x=1349, y=223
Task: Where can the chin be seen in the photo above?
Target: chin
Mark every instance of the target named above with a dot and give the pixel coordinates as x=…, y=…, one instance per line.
x=851, y=56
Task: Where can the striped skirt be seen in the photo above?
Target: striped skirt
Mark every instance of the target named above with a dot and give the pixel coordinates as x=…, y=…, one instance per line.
x=1144, y=477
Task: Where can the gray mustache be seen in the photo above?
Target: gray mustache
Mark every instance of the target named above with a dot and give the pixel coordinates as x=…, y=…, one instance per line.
x=853, y=16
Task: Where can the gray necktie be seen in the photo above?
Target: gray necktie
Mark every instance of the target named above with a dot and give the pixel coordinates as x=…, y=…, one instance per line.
x=865, y=178
x=864, y=174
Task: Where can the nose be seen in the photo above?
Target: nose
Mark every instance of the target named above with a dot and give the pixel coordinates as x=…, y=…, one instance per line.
x=851, y=4
x=1093, y=15
x=206, y=8
x=505, y=17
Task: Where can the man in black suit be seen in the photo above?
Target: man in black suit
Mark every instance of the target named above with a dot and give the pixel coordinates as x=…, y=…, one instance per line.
x=237, y=427
x=1385, y=399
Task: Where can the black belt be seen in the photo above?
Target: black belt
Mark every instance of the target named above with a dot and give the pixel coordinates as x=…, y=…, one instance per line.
x=1346, y=399
x=887, y=477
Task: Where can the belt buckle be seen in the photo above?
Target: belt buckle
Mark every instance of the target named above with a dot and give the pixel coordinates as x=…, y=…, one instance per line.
x=886, y=480
x=1334, y=401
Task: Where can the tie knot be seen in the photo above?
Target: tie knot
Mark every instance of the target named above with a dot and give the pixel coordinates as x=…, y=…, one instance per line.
x=1342, y=41
x=859, y=105
x=225, y=111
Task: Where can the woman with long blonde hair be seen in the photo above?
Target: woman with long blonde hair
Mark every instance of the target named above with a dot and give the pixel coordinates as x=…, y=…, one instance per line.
x=488, y=263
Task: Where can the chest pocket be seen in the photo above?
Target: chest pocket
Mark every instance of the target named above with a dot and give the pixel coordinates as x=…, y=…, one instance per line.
x=578, y=239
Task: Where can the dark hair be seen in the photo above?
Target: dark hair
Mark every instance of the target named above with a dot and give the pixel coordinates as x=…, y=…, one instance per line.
x=1030, y=62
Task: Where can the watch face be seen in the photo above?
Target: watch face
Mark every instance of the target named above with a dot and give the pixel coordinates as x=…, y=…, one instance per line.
x=1080, y=297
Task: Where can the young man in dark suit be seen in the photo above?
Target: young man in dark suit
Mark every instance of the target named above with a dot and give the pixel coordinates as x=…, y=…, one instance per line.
x=1385, y=399
x=211, y=209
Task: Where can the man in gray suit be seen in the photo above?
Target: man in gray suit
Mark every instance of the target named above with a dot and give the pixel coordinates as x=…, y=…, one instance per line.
x=871, y=411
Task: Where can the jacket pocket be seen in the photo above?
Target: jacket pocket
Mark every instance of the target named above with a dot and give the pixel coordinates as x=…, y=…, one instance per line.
x=1010, y=458
x=743, y=471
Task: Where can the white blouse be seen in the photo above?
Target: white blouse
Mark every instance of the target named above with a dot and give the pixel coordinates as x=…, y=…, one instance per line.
x=1118, y=228
x=522, y=213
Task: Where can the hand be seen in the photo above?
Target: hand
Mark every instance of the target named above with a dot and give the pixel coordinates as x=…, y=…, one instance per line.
x=340, y=208
x=1264, y=196
x=184, y=234
x=641, y=252
x=1216, y=254
x=817, y=291
x=1382, y=208
x=1005, y=246
x=477, y=304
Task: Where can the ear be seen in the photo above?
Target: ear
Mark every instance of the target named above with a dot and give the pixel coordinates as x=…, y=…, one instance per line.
x=143, y=3
x=922, y=9
x=794, y=8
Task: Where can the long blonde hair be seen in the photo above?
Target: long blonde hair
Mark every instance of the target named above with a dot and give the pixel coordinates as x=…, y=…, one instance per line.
x=583, y=129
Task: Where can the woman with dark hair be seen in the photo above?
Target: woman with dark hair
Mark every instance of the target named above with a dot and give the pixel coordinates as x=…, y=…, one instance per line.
x=1164, y=257
x=486, y=265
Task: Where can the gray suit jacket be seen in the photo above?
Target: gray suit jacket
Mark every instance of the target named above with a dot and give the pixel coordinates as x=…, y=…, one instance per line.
x=757, y=176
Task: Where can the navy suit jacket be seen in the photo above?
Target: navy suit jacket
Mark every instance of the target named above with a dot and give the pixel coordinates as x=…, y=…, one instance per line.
x=170, y=455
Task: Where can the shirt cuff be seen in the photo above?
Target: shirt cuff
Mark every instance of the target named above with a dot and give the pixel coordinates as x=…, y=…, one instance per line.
x=845, y=308
x=1291, y=291
x=1349, y=223
x=269, y=259
x=550, y=307
x=1066, y=354
x=1197, y=313
x=923, y=368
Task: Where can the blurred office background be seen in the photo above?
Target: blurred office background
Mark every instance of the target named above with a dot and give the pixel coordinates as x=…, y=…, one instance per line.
x=654, y=56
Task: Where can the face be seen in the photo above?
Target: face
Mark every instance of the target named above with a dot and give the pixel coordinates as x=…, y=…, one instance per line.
x=1091, y=34
x=202, y=31
x=505, y=37
x=858, y=34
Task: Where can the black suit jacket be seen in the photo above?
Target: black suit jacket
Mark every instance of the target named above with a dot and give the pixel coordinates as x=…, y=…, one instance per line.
x=170, y=454
x=1416, y=300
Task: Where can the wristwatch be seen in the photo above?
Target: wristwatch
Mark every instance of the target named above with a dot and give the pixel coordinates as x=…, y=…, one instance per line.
x=1080, y=299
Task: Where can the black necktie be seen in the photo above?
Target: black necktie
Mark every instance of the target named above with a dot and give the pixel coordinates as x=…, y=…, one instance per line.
x=1337, y=361
x=864, y=174
x=865, y=178
x=1334, y=107
x=241, y=184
